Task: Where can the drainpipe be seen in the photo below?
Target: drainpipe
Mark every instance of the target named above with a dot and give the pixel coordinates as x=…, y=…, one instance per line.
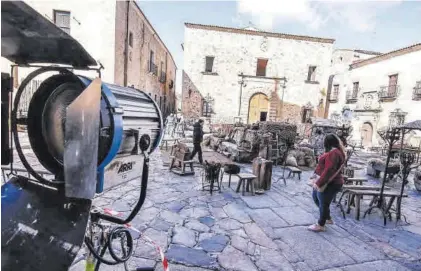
x=126, y=45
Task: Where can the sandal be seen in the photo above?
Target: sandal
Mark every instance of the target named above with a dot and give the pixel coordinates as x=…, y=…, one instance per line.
x=316, y=228
x=329, y=221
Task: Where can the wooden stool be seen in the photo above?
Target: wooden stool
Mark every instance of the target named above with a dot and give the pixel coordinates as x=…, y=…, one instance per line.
x=246, y=179
x=293, y=171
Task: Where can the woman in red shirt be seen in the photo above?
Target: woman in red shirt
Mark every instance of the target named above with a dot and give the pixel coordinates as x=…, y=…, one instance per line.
x=328, y=169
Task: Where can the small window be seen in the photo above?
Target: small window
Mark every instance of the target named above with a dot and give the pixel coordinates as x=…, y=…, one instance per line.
x=261, y=67
x=311, y=74
x=155, y=97
x=209, y=63
x=62, y=20
x=207, y=109
x=334, y=94
x=340, y=58
x=355, y=88
x=162, y=68
x=152, y=67
x=130, y=39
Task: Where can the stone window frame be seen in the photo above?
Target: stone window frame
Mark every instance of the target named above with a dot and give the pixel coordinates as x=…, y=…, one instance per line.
x=212, y=72
x=266, y=66
x=311, y=79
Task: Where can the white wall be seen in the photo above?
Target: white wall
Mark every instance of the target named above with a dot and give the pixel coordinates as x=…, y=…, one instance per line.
x=370, y=78
x=92, y=25
x=235, y=53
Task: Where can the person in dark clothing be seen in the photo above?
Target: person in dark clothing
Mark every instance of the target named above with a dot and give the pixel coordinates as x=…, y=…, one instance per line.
x=328, y=174
x=197, y=140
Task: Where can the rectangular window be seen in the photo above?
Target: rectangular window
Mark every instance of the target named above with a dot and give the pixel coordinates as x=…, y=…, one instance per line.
x=261, y=67
x=335, y=93
x=209, y=63
x=207, y=109
x=62, y=20
x=130, y=39
x=311, y=73
x=152, y=67
x=393, y=82
x=355, y=88
x=155, y=97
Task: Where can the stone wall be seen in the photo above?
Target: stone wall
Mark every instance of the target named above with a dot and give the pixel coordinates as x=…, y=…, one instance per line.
x=145, y=40
x=192, y=101
x=237, y=53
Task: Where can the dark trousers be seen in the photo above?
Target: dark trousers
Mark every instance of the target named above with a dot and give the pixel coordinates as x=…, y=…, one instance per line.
x=323, y=200
x=197, y=149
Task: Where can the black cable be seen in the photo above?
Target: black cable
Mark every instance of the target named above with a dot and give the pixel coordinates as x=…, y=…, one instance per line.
x=116, y=232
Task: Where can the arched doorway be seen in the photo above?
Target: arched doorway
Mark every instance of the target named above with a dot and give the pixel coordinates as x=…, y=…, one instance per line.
x=367, y=134
x=258, y=108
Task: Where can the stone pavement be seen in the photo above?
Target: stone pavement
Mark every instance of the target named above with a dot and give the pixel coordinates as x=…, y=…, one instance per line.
x=228, y=231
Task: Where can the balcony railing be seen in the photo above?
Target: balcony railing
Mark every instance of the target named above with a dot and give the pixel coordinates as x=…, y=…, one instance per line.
x=388, y=93
x=163, y=77
x=416, y=95
x=352, y=96
x=333, y=98
x=153, y=69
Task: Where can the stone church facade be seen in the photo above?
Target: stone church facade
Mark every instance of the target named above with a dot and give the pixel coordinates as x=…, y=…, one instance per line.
x=377, y=92
x=232, y=74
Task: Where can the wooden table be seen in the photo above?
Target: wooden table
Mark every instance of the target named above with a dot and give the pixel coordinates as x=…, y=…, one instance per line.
x=246, y=177
x=358, y=193
x=356, y=180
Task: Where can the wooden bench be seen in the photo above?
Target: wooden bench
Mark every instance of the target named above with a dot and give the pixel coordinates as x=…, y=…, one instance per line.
x=358, y=193
x=347, y=188
x=293, y=171
x=246, y=179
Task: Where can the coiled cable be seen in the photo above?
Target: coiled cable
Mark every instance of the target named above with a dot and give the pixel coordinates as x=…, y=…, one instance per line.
x=115, y=233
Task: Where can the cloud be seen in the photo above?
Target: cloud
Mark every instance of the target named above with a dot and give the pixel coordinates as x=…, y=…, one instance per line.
x=357, y=16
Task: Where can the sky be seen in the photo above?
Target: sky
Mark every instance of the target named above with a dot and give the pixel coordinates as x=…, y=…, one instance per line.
x=369, y=25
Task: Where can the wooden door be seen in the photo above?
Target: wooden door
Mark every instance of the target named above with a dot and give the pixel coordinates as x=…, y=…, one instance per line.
x=259, y=103
x=367, y=134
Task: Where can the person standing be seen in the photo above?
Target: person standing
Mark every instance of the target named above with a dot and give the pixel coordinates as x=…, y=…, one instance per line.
x=197, y=140
x=328, y=179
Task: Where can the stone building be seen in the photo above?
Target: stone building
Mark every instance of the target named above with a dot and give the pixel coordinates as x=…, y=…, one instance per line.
x=107, y=30
x=378, y=92
x=341, y=59
x=253, y=75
